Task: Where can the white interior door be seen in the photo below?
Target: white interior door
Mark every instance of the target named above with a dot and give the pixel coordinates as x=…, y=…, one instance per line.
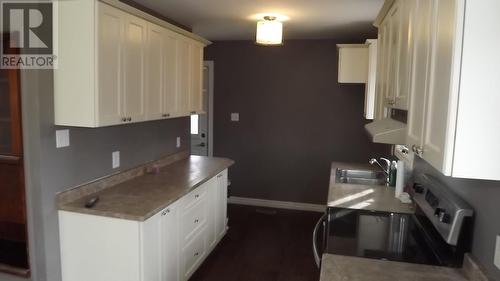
x=201, y=124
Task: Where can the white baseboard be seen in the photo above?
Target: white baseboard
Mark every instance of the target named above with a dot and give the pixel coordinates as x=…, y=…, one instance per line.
x=276, y=204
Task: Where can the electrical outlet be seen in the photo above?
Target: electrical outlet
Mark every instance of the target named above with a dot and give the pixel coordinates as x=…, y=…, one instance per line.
x=497, y=253
x=62, y=138
x=115, y=159
x=178, y=142
x=235, y=117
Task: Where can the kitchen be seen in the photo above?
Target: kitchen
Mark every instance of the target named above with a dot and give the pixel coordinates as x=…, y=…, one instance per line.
x=279, y=121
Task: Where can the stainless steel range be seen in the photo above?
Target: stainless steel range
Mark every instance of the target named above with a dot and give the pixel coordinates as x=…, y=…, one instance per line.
x=438, y=233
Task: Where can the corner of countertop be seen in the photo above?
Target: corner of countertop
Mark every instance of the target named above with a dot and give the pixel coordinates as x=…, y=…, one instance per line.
x=472, y=270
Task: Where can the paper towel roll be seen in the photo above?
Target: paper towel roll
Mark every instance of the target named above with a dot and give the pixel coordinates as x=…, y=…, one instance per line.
x=400, y=178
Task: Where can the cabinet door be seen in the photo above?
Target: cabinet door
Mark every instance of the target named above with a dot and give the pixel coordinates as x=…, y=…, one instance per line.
x=221, y=204
x=134, y=68
x=160, y=246
x=420, y=68
x=392, y=47
x=196, y=74
x=170, y=79
x=381, y=84
x=155, y=72
x=170, y=246
x=183, y=77
x=110, y=50
x=405, y=54
x=442, y=94
x=213, y=193
x=151, y=252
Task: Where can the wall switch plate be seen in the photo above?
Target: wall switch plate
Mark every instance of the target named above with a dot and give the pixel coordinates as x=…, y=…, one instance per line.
x=235, y=117
x=497, y=253
x=178, y=142
x=115, y=159
x=62, y=138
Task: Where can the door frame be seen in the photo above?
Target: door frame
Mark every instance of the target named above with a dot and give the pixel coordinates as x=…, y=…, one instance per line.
x=210, y=65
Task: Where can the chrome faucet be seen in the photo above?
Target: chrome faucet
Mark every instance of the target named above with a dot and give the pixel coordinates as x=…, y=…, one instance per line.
x=387, y=169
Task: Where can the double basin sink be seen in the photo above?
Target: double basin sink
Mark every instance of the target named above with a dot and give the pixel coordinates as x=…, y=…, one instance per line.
x=364, y=177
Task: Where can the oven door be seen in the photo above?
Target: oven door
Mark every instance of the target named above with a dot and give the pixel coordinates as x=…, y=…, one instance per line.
x=368, y=234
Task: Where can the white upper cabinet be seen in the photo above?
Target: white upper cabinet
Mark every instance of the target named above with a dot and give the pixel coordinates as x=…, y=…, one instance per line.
x=358, y=64
x=448, y=71
x=118, y=65
x=421, y=45
x=196, y=79
x=134, y=63
x=183, y=75
x=110, y=51
x=353, y=63
x=155, y=72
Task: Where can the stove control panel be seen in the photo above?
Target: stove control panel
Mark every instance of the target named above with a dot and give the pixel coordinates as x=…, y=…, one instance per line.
x=441, y=206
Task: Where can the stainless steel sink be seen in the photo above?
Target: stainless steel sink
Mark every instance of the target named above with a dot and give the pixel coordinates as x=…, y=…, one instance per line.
x=366, y=177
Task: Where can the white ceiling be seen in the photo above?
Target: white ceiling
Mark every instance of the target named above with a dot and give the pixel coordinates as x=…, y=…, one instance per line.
x=309, y=19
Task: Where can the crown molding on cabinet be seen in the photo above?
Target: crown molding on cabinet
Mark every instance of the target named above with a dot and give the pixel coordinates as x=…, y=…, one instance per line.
x=136, y=12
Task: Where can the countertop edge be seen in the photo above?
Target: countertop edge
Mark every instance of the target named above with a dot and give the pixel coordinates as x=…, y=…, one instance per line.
x=88, y=211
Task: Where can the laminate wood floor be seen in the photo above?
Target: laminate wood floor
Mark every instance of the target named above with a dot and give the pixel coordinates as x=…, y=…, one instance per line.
x=263, y=244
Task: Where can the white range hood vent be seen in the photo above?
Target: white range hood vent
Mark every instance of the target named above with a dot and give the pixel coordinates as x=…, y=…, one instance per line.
x=387, y=131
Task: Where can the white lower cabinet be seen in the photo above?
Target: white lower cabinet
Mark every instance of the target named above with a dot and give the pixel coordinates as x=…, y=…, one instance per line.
x=168, y=246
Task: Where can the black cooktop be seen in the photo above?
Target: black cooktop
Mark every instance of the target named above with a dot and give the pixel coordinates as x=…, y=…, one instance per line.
x=389, y=236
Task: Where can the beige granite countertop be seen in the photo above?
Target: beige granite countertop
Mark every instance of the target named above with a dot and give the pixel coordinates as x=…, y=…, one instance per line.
x=344, y=268
x=363, y=197
x=145, y=195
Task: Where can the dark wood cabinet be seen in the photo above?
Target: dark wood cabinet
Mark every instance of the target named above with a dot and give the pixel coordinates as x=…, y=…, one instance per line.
x=13, y=223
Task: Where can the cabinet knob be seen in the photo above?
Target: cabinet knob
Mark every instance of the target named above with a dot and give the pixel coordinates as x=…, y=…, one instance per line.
x=196, y=221
x=129, y=119
x=417, y=149
x=196, y=196
x=124, y=119
x=166, y=115
x=193, y=112
x=196, y=254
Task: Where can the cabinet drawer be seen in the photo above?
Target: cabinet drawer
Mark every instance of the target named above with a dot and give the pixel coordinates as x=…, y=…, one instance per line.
x=194, y=197
x=193, y=254
x=193, y=218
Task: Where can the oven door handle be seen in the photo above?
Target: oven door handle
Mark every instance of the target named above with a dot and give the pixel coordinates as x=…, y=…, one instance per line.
x=320, y=222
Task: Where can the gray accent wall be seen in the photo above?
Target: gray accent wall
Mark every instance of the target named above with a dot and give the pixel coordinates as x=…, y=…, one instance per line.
x=484, y=196
x=295, y=118
x=50, y=170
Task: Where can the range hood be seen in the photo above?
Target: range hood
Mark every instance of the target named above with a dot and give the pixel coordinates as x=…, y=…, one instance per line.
x=387, y=131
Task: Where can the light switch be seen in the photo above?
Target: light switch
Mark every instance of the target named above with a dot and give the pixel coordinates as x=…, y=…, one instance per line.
x=497, y=253
x=235, y=117
x=115, y=159
x=62, y=138
x=178, y=142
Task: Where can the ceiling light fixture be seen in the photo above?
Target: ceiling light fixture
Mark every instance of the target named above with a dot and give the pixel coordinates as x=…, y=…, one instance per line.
x=269, y=31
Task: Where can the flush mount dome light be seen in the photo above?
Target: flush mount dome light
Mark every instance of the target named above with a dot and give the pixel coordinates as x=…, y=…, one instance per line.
x=269, y=31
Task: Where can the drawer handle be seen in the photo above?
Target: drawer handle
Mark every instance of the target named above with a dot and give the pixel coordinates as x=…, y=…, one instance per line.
x=196, y=221
x=129, y=119
x=124, y=119
x=196, y=196
x=166, y=212
x=196, y=254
